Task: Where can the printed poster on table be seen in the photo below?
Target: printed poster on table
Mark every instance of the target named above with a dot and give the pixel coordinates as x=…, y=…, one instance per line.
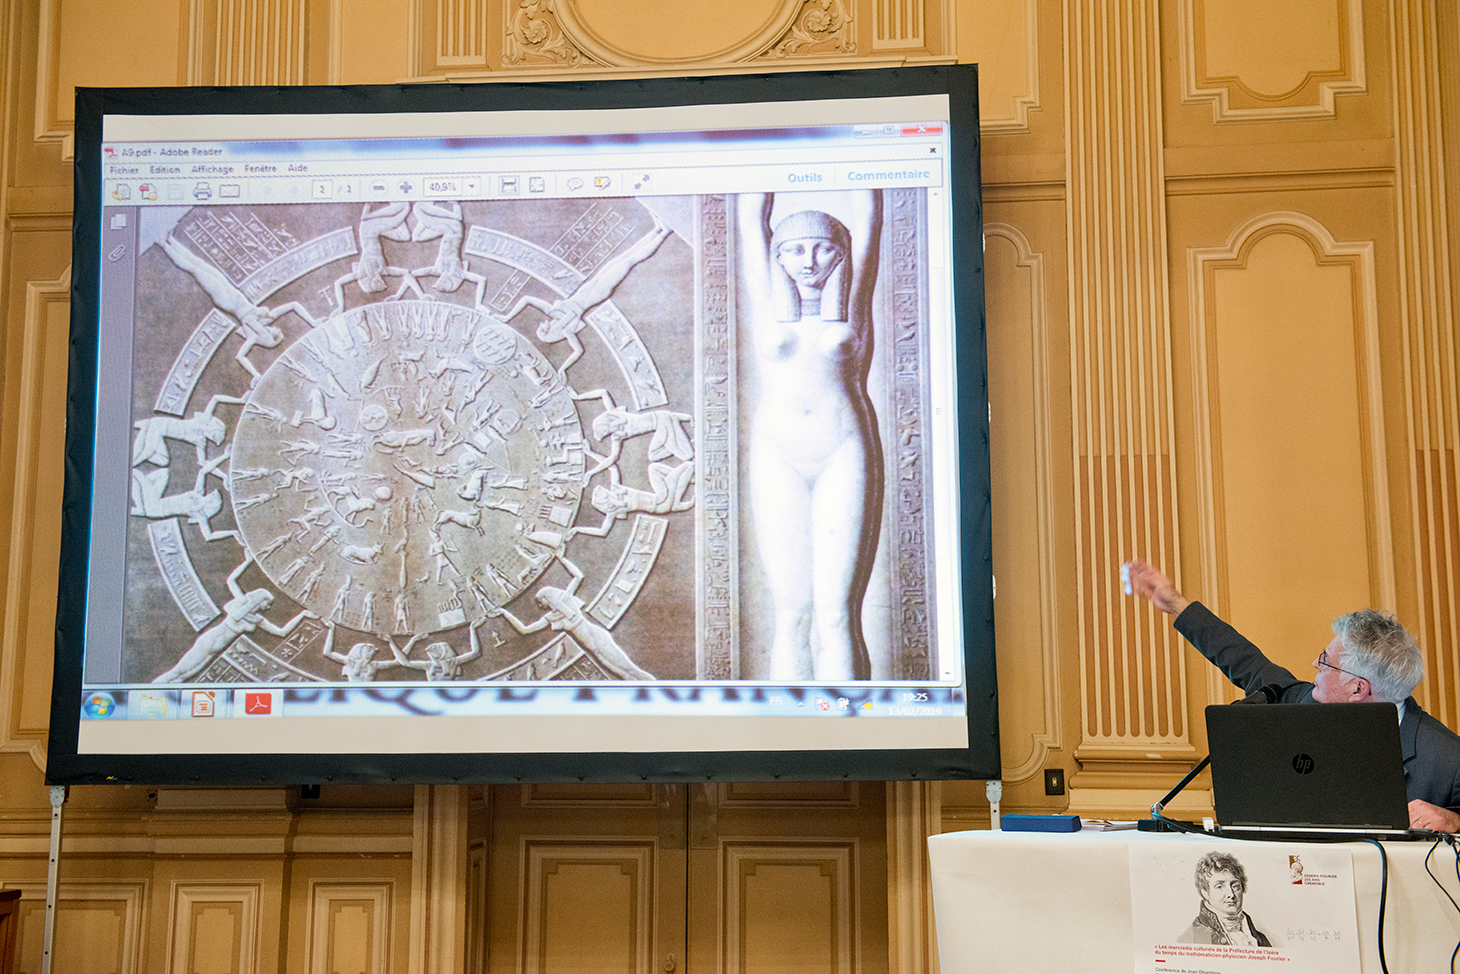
x=1240, y=907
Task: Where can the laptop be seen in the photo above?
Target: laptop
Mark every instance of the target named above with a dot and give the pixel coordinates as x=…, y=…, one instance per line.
x=1308, y=771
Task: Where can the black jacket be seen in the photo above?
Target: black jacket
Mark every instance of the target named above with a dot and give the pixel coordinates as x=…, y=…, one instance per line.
x=1431, y=750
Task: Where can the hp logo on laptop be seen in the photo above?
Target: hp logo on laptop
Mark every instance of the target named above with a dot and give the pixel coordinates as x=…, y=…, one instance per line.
x=1302, y=763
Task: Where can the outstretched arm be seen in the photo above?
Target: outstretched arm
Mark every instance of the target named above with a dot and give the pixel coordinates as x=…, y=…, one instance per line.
x=476, y=646
x=573, y=570
x=517, y=623
x=753, y=227
x=233, y=585
x=400, y=654
x=329, y=645
x=599, y=532
x=1150, y=584
x=866, y=233
x=287, y=627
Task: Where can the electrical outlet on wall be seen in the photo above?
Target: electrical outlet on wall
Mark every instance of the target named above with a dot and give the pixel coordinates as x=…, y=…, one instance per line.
x=1054, y=781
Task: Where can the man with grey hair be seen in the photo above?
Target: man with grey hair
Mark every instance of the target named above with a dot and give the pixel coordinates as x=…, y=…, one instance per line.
x=1371, y=659
x=1222, y=883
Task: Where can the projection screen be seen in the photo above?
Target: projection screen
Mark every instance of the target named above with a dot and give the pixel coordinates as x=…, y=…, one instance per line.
x=613, y=430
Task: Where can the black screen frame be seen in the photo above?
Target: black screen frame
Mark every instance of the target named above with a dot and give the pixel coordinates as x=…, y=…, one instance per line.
x=980, y=759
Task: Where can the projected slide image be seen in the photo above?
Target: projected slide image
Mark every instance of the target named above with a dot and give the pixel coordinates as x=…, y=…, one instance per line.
x=641, y=439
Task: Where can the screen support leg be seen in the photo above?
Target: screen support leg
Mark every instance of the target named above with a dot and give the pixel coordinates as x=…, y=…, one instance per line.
x=994, y=790
x=48, y=936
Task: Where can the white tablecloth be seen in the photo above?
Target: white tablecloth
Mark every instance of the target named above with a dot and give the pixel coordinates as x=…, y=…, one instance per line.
x=1029, y=902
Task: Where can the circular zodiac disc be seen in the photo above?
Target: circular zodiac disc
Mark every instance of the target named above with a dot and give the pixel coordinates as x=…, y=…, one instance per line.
x=430, y=459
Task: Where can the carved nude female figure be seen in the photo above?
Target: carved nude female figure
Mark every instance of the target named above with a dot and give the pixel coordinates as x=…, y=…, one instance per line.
x=814, y=458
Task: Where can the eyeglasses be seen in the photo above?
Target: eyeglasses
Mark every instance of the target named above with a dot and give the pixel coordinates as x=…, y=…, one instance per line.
x=1322, y=660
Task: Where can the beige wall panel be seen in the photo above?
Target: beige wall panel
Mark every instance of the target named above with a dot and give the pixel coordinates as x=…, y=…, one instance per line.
x=355, y=907
x=1288, y=324
x=28, y=164
x=588, y=906
x=789, y=908
x=1132, y=667
x=1356, y=135
x=101, y=43
x=349, y=928
x=1426, y=41
x=1002, y=37
x=369, y=42
x=30, y=607
x=214, y=927
x=1349, y=218
x=98, y=928
x=249, y=42
x=782, y=794
x=188, y=889
x=1022, y=450
x=30, y=457
x=1260, y=61
x=577, y=795
x=1028, y=147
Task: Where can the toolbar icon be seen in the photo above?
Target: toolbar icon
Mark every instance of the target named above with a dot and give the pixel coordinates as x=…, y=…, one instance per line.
x=204, y=703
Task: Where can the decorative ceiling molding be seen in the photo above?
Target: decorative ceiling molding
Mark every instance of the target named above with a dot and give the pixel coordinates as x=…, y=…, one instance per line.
x=562, y=33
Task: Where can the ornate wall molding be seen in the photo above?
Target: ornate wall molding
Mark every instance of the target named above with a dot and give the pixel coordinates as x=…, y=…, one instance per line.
x=1025, y=95
x=1235, y=100
x=1426, y=153
x=1132, y=667
x=898, y=25
x=84, y=911
x=49, y=126
x=210, y=923
x=822, y=873
x=1043, y=455
x=821, y=27
x=535, y=36
x=30, y=591
x=1203, y=264
x=621, y=873
x=570, y=34
x=914, y=812
x=247, y=42
x=348, y=927
x=438, y=879
x=461, y=33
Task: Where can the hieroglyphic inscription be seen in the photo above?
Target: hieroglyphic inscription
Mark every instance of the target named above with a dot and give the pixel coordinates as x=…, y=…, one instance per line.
x=296, y=263
x=583, y=246
x=238, y=243
x=560, y=659
x=716, y=593
x=191, y=361
x=633, y=357
x=527, y=258
x=245, y=661
x=909, y=495
x=182, y=581
x=629, y=575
